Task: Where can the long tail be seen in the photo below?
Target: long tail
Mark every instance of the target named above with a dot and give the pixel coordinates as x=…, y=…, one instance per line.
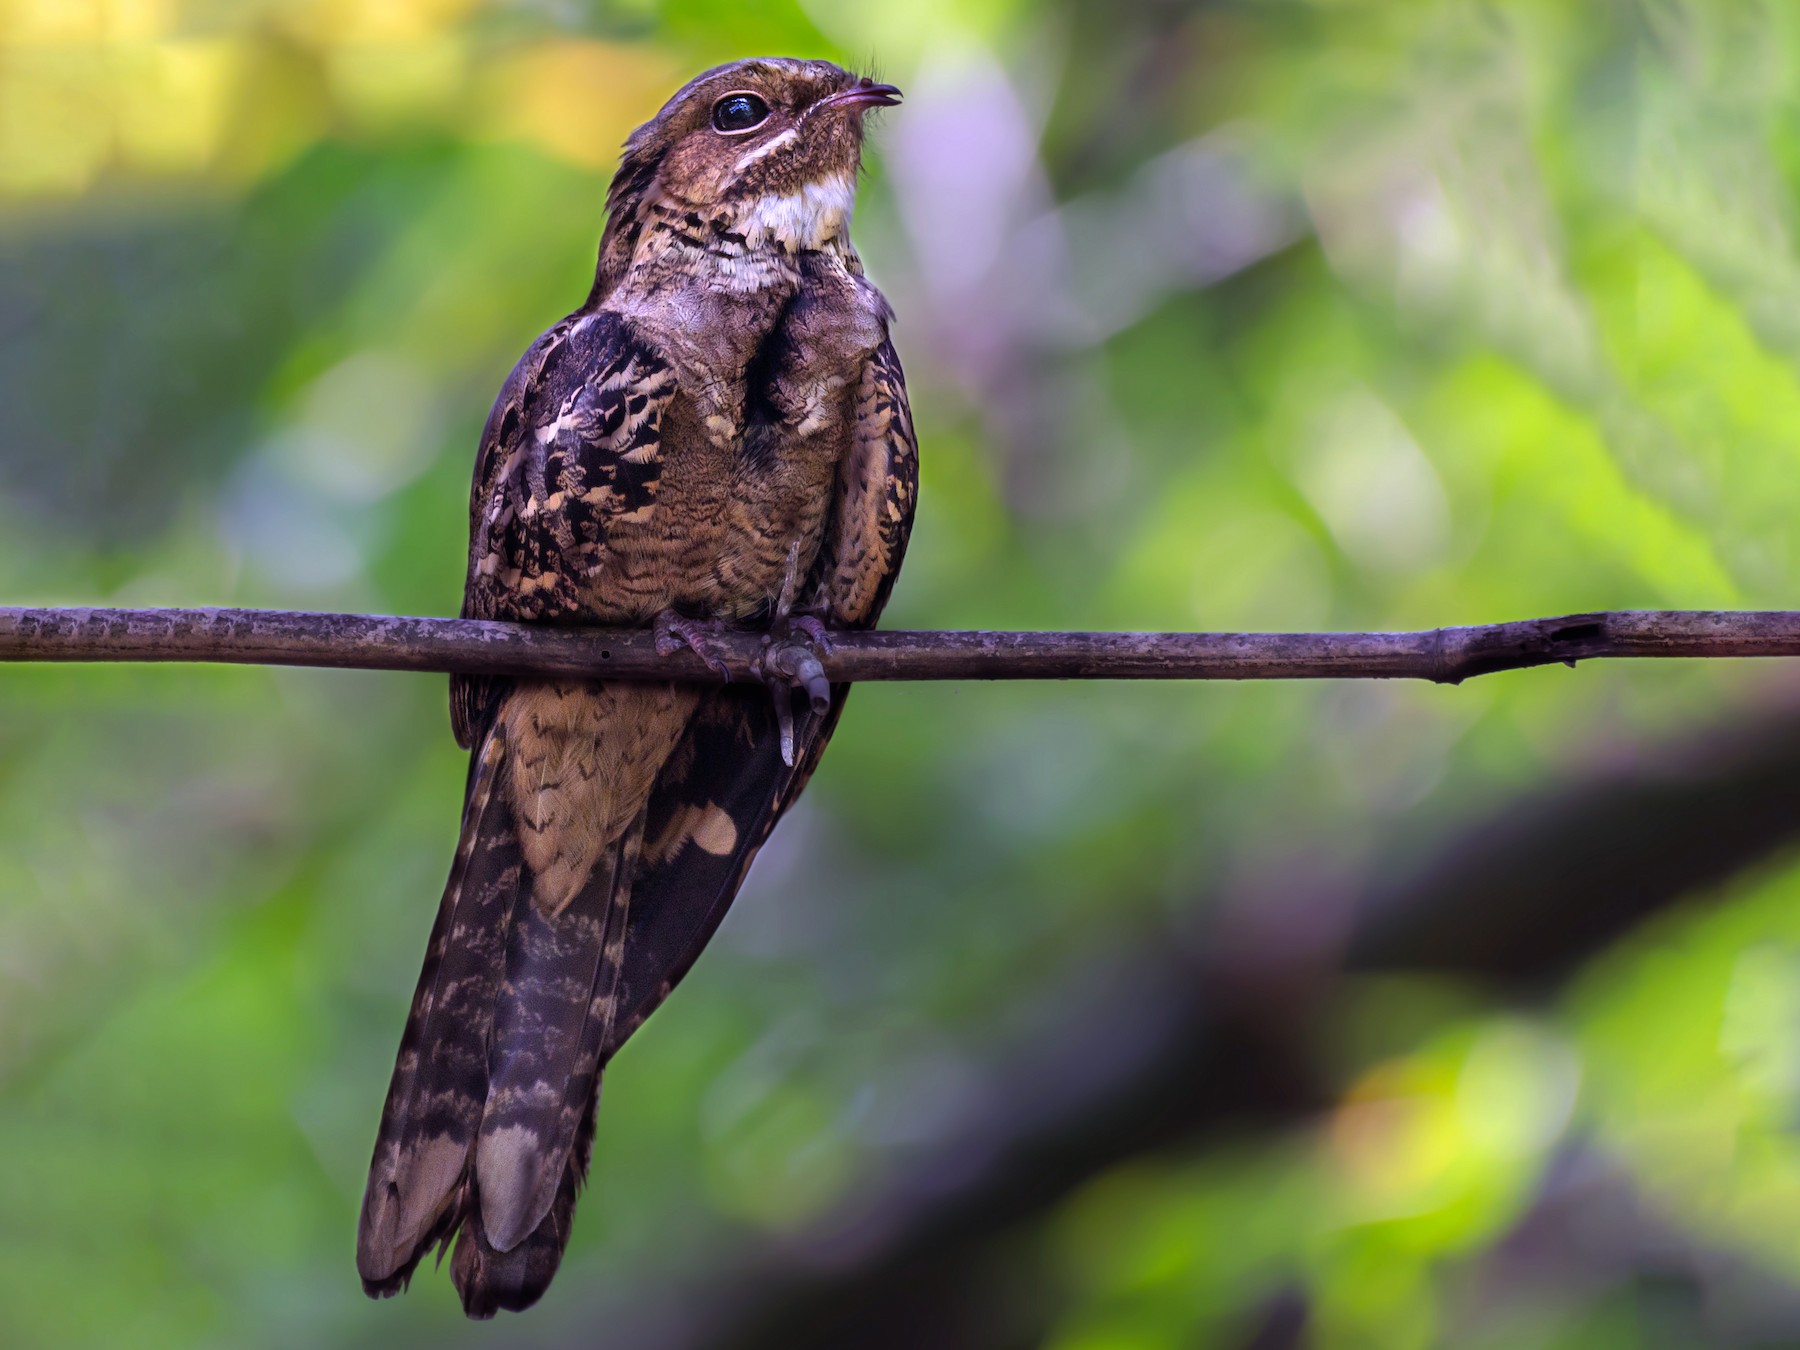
x=489, y=1118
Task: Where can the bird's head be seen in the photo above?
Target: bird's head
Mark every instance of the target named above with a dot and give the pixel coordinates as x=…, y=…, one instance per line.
x=764, y=151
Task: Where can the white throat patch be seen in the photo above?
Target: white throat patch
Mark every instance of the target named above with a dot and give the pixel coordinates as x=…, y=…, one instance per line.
x=805, y=219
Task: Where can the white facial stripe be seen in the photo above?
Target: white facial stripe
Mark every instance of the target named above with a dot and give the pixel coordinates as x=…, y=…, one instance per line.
x=768, y=147
x=804, y=219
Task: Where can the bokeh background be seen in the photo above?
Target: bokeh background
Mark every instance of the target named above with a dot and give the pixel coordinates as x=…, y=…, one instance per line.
x=1094, y=1016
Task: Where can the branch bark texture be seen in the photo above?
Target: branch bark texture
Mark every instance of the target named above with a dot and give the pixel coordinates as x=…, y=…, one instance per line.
x=470, y=646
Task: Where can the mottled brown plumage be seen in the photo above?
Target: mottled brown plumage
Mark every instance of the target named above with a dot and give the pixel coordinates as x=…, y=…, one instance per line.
x=725, y=414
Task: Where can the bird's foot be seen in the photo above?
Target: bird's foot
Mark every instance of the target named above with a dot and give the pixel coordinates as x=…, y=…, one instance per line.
x=789, y=616
x=675, y=632
x=814, y=628
x=789, y=661
x=790, y=654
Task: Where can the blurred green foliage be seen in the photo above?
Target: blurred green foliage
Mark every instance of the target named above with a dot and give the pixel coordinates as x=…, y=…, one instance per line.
x=1260, y=315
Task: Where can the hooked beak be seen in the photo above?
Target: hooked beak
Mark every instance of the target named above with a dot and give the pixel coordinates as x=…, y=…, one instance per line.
x=862, y=95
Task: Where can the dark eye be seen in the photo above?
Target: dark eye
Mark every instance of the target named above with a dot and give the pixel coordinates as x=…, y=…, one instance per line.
x=739, y=112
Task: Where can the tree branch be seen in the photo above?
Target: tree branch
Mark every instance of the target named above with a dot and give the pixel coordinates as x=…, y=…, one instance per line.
x=469, y=646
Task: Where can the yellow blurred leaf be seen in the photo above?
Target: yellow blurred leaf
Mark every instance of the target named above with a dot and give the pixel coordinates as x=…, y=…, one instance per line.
x=389, y=23
x=56, y=120
x=173, y=98
x=577, y=100
x=400, y=81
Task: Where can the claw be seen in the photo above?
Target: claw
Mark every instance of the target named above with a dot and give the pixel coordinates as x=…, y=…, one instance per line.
x=789, y=659
x=784, y=721
x=786, y=665
x=699, y=636
x=814, y=628
x=798, y=666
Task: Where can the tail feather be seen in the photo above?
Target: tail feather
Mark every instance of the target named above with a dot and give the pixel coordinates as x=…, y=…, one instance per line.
x=489, y=1125
x=553, y=1015
x=490, y=1280
x=490, y=1116
x=439, y=1085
